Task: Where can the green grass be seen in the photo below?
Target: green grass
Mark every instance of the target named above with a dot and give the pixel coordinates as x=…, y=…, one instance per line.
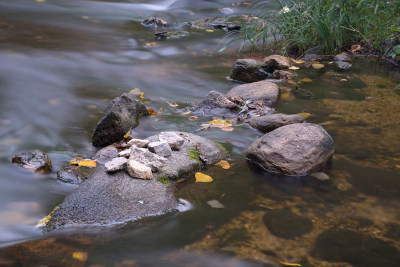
x=333, y=25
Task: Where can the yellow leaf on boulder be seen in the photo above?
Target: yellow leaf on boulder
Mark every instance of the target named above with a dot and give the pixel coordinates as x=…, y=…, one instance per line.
x=317, y=66
x=79, y=161
x=80, y=256
x=127, y=133
x=202, y=178
x=306, y=80
x=224, y=164
x=304, y=114
x=152, y=111
x=293, y=68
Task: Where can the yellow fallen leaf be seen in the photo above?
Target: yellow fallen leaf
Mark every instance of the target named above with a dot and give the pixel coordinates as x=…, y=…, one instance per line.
x=317, y=66
x=285, y=96
x=398, y=166
x=87, y=163
x=289, y=264
x=220, y=123
x=151, y=112
x=293, y=68
x=141, y=95
x=209, y=30
x=224, y=164
x=80, y=256
x=298, y=61
x=128, y=133
x=304, y=114
x=306, y=80
x=202, y=178
x=186, y=113
x=46, y=219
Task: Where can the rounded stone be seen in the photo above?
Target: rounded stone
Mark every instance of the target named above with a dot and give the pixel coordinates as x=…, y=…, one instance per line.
x=295, y=149
x=262, y=91
x=286, y=224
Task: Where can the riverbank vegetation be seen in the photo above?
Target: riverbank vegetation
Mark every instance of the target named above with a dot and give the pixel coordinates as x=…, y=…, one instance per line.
x=332, y=26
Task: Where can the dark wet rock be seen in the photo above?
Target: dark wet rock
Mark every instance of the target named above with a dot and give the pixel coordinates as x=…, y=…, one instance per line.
x=139, y=170
x=106, y=154
x=271, y=122
x=160, y=148
x=226, y=23
x=171, y=35
x=343, y=65
x=248, y=71
x=194, y=153
x=35, y=160
x=74, y=174
x=276, y=62
x=252, y=108
x=173, y=140
x=116, y=164
x=106, y=199
x=356, y=248
x=295, y=149
x=216, y=103
x=342, y=57
x=283, y=74
x=121, y=115
x=311, y=57
x=263, y=91
x=154, y=22
x=315, y=51
x=286, y=224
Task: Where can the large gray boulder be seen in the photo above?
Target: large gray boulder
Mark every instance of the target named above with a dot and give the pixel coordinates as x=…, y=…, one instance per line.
x=271, y=122
x=248, y=71
x=106, y=199
x=121, y=115
x=263, y=91
x=295, y=149
x=35, y=160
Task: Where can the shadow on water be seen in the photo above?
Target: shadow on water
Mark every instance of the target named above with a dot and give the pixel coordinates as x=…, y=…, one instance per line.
x=63, y=61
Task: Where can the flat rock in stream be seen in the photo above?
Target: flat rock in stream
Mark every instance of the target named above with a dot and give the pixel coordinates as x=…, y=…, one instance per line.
x=248, y=71
x=276, y=62
x=263, y=91
x=216, y=103
x=295, y=149
x=106, y=199
x=121, y=115
x=110, y=198
x=271, y=122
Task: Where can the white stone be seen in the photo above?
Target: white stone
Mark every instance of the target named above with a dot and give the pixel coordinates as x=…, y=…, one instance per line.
x=116, y=164
x=139, y=170
x=147, y=158
x=160, y=148
x=125, y=153
x=138, y=142
x=173, y=140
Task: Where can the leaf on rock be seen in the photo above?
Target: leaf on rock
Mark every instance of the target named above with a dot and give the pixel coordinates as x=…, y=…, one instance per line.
x=127, y=133
x=317, y=66
x=202, y=178
x=215, y=204
x=80, y=256
x=293, y=68
x=151, y=112
x=306, y=80
x=298, y=61
x=224, y=164
x=79, y=161
x=186, y=113
x=219, y=123
x=304, y=114
x=46, y=219
x=289, y=264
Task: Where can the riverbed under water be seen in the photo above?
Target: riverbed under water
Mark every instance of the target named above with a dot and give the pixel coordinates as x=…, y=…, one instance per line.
x=62, y=61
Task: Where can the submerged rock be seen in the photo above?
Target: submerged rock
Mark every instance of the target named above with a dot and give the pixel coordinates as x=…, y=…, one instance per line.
x=121, y=115
x=295, y=149
x=343, y=65
x=215, y=103
x=171, y=35
x=154, y=22
x=248, y=71
x=276, y=62
x=263, y=91
x=74, y=174
x=35, y=160
x=106, y=199
x=286, y=224
x=283, y=74
x=271, y=122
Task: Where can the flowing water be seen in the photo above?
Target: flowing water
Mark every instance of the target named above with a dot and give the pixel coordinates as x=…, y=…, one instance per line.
x=62, y=61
